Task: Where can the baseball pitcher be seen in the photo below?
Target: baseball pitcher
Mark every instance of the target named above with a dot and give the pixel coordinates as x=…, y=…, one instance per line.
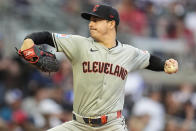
x=100, y=66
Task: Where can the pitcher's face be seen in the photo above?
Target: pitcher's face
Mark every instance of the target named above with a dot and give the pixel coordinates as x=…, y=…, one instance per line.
x=98, y=28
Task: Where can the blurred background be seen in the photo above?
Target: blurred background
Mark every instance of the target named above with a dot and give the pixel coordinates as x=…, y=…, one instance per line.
x=31, y=100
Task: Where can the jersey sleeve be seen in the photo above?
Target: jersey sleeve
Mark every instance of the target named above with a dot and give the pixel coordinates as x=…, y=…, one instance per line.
x=69, y=44
x=141, y=59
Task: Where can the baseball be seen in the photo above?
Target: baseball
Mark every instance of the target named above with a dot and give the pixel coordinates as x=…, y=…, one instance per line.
x=171, y=69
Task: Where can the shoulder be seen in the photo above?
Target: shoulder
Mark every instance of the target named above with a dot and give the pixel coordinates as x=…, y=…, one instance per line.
x=133, y=50
x=81, y=40
x=60, y=35
x=129, y=47
x=72, y=38
x=78, y=37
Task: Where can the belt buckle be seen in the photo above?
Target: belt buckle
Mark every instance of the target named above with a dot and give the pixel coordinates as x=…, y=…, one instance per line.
x=90, y=121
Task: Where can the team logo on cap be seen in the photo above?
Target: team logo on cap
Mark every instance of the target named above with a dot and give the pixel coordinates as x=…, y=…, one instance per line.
x=111, y=16
x=95, y=8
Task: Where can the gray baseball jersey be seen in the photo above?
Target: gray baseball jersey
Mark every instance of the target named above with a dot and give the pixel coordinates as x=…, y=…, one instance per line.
x=99, y=73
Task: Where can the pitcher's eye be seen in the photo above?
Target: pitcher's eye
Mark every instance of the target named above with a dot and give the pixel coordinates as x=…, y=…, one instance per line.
x=95, y=19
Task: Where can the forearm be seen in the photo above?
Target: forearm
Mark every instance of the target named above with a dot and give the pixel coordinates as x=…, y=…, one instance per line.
x=156, y=63
x=37, y=38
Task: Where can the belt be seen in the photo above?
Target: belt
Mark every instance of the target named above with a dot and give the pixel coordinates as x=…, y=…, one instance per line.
x=97, y=121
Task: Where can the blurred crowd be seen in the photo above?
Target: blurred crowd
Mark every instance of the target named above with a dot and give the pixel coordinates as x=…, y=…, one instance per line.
x=160, y=107
x=31, y=100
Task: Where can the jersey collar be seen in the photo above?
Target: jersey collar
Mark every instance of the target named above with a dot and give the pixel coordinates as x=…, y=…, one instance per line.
x=99, y=45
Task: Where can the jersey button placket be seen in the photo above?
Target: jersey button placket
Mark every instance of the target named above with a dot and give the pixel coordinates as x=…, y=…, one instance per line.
x=104, y=59
x=105, y=75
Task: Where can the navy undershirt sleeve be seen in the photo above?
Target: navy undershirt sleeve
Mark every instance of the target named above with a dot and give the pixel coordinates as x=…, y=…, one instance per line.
x=156, y=63
x=44, y=37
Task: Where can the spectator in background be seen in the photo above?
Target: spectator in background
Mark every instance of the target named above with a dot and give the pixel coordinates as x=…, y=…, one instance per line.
x=172, y=106
x=134, y=20
x=1, y=46
x=171, y=125
x=11, y=73
x=53, y=113
x=188, y=113
x=150, y=108
x=65, y=99
x=137, y=123
x=40, y=78
x=30, y=105
x=184, y=93
x=22, y=8
x=13, y=114
x=151, y=18
x=180, y=108
x=72, y=7
x=10, y=76
x=135, y=86
x=63, y=77
x=187, y=110
x=47, y=107
x=171, y=31
x=186, y=34
x=3, y=125
x=134, y=89
x=176, y=28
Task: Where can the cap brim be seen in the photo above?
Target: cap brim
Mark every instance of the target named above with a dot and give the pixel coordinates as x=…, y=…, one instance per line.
x=87, y=16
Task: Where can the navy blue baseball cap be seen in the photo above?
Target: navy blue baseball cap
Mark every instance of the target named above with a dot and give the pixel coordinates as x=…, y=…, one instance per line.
x=102, y=11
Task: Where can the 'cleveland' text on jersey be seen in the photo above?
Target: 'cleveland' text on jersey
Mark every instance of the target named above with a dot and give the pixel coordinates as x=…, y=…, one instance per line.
x=102, y=67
